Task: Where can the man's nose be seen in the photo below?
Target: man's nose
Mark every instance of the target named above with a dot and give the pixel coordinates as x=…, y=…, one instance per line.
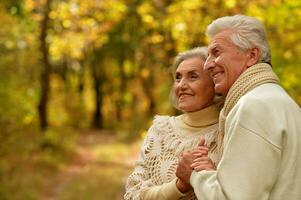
x=209, y=64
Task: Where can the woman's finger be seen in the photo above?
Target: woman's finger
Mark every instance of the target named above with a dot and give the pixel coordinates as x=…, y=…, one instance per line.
x=202, y=142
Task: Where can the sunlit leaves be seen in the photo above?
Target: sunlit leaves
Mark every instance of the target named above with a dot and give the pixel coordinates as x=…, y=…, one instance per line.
x=156, y=38
x=70, y=46
x=230, y=3
x=187, y=26
x=76, y=24
x=30, y=5
x=7, y=32
x=147, y=13
x=133, y=41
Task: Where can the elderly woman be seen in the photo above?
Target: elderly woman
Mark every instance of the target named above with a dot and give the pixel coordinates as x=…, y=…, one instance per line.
x=169, y=136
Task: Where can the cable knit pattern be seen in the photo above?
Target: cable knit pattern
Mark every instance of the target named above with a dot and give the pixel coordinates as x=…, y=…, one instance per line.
x=254, y=76
x=160, y=154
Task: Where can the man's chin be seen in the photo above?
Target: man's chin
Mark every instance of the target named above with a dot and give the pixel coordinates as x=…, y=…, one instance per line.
x=219, y=89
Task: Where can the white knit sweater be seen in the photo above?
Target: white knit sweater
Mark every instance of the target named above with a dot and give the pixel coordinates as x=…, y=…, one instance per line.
x=154, y=173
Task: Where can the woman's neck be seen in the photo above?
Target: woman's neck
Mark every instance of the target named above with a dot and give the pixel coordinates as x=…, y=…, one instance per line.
x=201, y=118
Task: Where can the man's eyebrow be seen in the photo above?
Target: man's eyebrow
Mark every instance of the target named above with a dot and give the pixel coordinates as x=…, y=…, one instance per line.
x=215, y=46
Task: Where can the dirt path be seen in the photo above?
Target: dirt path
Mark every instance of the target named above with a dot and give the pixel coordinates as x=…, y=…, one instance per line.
x=85, y=156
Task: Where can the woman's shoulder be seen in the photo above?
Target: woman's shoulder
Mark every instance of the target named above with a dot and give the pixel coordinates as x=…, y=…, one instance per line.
x=163, y=123
x=159, y=119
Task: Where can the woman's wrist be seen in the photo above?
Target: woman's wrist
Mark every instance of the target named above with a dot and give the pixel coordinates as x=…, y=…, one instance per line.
x=182, y=187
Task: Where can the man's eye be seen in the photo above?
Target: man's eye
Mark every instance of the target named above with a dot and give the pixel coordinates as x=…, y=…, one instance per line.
x=216, y=52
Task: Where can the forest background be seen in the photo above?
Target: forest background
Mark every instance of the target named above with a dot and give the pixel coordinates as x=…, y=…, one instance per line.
x=80, y=81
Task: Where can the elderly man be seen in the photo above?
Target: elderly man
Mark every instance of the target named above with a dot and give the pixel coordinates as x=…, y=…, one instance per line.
x=260, y=125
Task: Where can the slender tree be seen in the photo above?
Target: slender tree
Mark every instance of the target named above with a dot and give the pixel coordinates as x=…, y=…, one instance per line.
x=45, y=68
x=98, y=79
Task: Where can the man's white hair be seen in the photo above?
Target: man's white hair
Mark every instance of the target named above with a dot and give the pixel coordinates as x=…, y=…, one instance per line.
x=247, y=32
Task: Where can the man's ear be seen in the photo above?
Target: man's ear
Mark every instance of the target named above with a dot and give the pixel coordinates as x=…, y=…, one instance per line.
x=254, y=55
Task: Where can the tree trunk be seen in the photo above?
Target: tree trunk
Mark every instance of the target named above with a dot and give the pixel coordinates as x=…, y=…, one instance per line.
x=122, y=88
x=98, y=84
x=45, y=69
x=148, y=89
x=147, y=84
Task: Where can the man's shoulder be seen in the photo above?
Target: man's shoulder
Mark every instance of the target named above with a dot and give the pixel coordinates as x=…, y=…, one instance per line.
x=265, y=91
x=266, y=95
x=267, y=110
x=266, y=99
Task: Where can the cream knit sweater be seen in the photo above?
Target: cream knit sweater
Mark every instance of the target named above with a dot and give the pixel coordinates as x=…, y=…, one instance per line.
x=154, y=173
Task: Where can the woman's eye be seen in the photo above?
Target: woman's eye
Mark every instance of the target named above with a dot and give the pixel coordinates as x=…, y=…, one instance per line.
x=194, y=76
x=177, y=78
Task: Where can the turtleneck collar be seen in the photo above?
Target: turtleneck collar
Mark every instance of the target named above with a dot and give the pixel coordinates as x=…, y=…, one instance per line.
x=201, y=118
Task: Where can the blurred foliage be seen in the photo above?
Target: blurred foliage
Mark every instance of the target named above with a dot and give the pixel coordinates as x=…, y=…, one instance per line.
x=119, y=51
x=28, y=161
x=111, y=188
x=130, y=45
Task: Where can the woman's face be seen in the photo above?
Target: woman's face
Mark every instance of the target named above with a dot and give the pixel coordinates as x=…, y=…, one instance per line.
x=194, y=88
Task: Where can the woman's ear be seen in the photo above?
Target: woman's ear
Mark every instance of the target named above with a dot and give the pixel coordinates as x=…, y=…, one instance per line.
x=254, y=55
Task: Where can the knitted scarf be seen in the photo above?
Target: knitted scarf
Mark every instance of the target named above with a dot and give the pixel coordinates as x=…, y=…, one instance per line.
x=254, y=76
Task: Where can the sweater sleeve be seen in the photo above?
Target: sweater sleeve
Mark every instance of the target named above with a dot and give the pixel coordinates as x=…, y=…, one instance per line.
x=140, y=179
x=166, y=191
x=248, y=168
x=139, y=184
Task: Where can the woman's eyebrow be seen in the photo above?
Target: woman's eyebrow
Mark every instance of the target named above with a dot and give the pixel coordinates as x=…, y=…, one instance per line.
x=193, y=71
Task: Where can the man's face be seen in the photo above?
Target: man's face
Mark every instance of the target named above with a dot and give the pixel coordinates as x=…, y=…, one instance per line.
x=225, y=62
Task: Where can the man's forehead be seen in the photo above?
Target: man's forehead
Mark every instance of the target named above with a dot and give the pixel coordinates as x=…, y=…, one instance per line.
x=214, y=45
x=220, y=43
x=220, y=39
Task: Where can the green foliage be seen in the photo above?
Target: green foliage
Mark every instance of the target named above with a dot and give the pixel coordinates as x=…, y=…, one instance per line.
x=24, y=164
x=96, y=188
x=129, y=46
x=28, y=184
x=57, y=139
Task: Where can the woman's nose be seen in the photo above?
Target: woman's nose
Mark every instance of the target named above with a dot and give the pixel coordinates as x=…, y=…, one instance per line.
x=182, y=83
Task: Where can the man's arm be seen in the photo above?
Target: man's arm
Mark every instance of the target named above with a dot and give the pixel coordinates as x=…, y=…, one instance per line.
x=247, y=170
